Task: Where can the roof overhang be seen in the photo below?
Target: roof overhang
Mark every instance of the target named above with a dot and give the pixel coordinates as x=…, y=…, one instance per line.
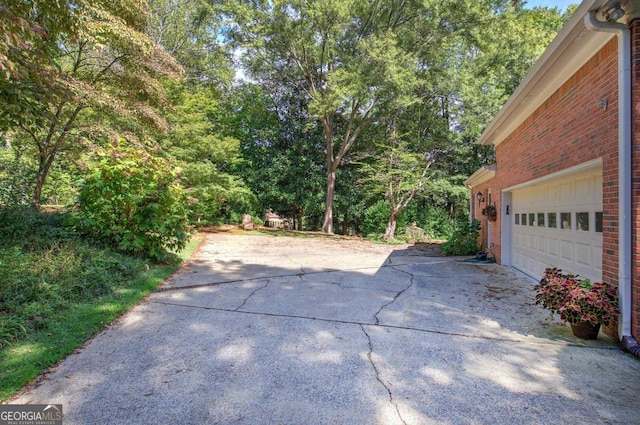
x=481, y=176
x=568, y=52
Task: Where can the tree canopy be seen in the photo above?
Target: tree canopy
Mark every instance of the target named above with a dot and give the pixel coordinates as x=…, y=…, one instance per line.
x=101, y=72
x=343, y=105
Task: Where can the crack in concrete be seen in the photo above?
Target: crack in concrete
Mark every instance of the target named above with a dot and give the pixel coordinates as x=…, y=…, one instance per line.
x=395, y=298
x=252, y=294
x=302, y=270
x=292, y=274
x=405, y=328
x=377, y=372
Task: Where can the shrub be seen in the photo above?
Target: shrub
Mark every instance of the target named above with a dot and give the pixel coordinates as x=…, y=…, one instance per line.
x=375, y=218
x=436, y=222
x=464, y=240
x=134, y=202
x=576, y=299
x=17, y=176
x=22, y=225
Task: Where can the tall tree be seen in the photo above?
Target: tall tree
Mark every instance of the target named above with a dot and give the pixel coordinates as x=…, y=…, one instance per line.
x=27, y=45
x=399, y=173
x=405, y=154
x=189, y=30
x=105, y=63
x=207, y=157
x=282, y=154
x=355, y=60
x=497, y=59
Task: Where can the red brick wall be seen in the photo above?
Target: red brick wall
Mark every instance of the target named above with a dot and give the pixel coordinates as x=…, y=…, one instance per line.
x=635, y=205
x=484, y=221
x=568, y=129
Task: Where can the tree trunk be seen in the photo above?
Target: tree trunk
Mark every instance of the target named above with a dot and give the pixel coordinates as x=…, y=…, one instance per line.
x=390, y=233
x=43, y=171
x=327, y=225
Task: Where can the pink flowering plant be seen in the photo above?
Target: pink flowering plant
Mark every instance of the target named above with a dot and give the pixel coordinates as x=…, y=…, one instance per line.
x=576, y=299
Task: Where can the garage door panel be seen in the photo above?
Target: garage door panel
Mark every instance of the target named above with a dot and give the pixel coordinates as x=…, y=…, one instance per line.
x=566, y=250
x=596, y=253
x=584, y=189
x=534, y=248
x=541, y=244
x=566, y=191
x=583, y=254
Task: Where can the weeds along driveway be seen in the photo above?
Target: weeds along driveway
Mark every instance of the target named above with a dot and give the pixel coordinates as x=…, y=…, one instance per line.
x=274, y=330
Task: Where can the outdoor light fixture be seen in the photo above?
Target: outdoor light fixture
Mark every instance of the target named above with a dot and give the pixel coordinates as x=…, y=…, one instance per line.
x=480, y=197
x=603, y=103
x=615, y=13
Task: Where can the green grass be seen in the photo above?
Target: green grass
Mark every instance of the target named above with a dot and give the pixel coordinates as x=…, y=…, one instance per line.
x=56, y=292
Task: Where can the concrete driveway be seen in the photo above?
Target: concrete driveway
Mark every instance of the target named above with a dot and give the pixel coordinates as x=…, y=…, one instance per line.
x=274, y=330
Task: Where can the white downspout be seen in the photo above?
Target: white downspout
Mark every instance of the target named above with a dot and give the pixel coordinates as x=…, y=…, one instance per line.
x=624, y=172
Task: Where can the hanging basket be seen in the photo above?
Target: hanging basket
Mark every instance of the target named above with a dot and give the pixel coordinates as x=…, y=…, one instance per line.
x=585, y=330
x=491, y=212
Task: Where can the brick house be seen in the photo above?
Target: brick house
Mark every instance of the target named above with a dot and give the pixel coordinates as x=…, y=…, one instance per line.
x=566, y=182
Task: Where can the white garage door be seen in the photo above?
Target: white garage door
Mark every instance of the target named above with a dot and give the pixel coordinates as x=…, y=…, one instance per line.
x=558, y=223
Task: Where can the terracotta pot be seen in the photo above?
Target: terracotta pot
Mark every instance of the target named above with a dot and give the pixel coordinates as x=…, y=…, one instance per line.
x=585, y=330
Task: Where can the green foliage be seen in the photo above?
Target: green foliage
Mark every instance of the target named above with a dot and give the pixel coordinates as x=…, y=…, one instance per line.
x=375, y=219
x=578, y=300
x=27, y=47
x=11, y=329
x=435, y=220
x=99, y=72
x=57, y=290
x=352, y=62
x=17, y=172
x=350, y=198
x=44, y=267
x=437, y=223
x=281, y=155
x=496, y=57
x=21, y=226
x=207, y=158
x=189, y=31
x=61, y=185
x=134, y=202
x=464, y=240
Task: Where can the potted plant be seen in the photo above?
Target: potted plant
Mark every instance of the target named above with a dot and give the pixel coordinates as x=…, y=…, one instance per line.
x=584, y=304
x=491, y=212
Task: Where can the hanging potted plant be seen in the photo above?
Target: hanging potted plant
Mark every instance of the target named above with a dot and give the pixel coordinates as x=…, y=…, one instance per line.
x=584, y=304
x=491, y=212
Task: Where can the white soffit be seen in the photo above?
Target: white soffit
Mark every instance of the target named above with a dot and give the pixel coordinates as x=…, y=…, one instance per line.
x=481, y=176
x=570, y=50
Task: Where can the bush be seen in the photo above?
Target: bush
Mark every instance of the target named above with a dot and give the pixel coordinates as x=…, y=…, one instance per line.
x=134, y=202
x=17, y=176
x=375, y=219
x=22, y=225
x=464, y=240
x=44, y=269
x=433, y=219
x=578, y=300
